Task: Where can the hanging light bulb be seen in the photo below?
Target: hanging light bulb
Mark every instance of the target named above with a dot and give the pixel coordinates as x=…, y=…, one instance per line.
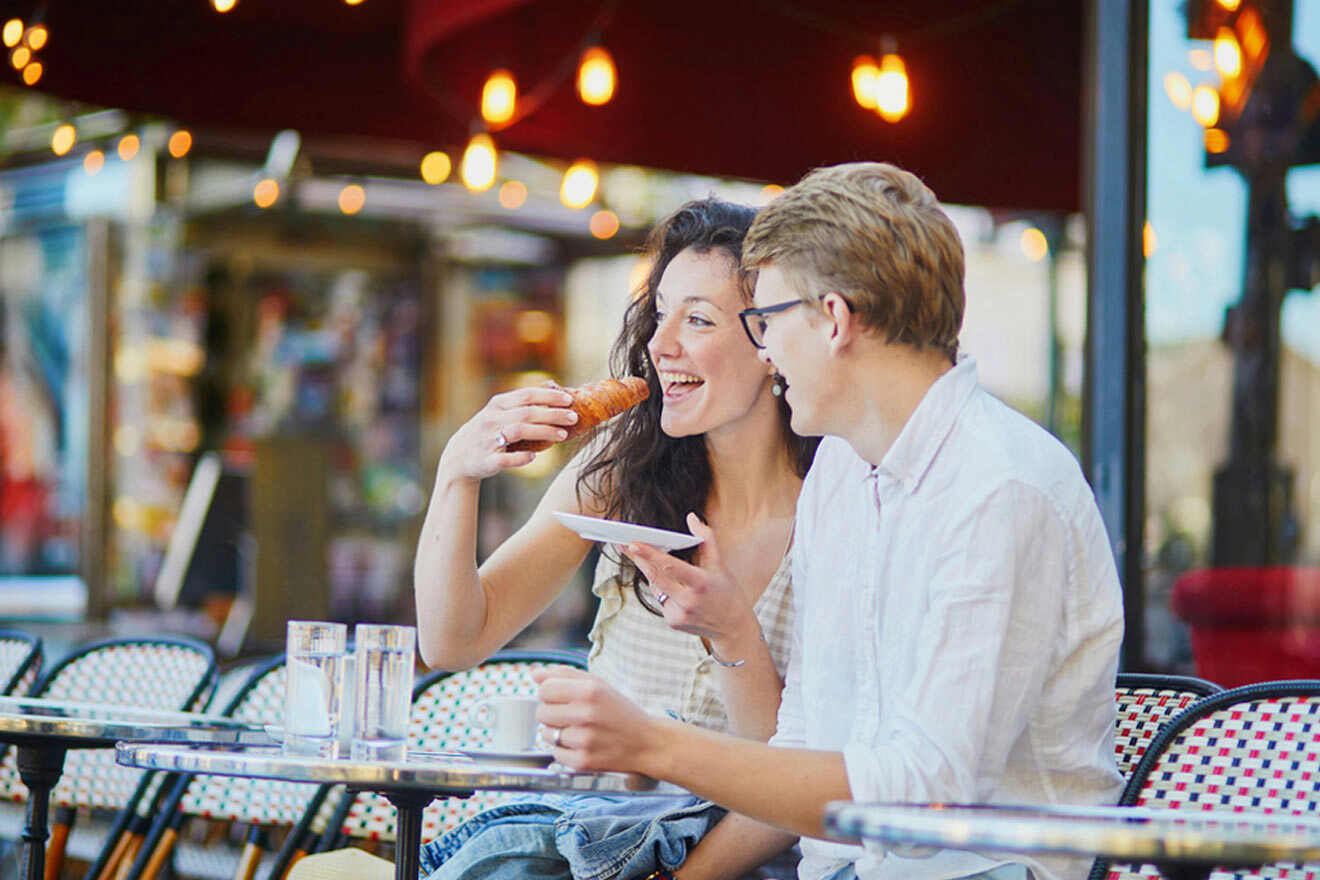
x=596, y=76
x=36, y=37
x=578, y=187
x=12, y=33
x=891, y=89
x=479, y=163
x=1205, y=106
x=1228, y=55
x=436, y=167
x=864, y=76
x=63, y=139
x=499, y=97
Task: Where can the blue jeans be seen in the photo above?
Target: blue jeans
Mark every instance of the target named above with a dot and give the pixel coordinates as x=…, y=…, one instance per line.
x=571, y=837
x=1003, y=872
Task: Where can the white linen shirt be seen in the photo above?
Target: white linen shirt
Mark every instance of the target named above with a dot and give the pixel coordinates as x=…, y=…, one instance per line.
x=958, y=625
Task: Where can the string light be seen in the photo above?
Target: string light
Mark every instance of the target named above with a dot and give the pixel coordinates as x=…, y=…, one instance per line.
x=479, y=164
x=596, y=76
x=578, y=187
x=63, y=139
x=32, y=73
x=891, y=89
x=224, y=5
x=36, y=37
x=93, y=162
x=513, y=194
x=128, y=146
x=353, y=197
x=436, y=167
x=864, y=76
x=604, y=224
x=1228, y=55
x=1205, y=106
x=499, y=98
x=266, y=193
x=12, y=33
x=180, y=143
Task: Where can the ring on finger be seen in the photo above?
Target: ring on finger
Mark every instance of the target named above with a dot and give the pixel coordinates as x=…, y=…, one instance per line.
x=558, y=733
x=662, y=598
x=500, y=440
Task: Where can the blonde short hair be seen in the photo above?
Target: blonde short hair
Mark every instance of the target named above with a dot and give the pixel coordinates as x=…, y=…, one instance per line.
x=874, y=234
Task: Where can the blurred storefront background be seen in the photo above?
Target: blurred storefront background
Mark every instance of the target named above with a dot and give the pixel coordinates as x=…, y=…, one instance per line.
x=325, y=349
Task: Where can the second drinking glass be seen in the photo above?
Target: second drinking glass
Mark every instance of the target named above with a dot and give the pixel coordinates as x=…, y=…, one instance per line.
x=384, y=661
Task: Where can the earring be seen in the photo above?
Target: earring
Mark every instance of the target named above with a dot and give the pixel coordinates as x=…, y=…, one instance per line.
x=777, y=384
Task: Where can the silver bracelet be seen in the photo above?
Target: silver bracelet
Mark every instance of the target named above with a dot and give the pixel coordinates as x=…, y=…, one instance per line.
x=727, y=664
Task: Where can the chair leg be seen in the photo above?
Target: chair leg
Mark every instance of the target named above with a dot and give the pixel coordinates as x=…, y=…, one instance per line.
x=161, y=854
x=111, y=866
x=257, y=842
x=60, y=826
x=135, y=837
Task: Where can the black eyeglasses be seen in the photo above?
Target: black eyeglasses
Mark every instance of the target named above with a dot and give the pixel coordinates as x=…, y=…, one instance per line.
x=754, y=320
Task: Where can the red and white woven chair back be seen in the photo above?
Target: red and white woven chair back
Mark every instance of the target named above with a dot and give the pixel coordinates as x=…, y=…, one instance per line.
x=254, y=801
x=1145, y=704
x=163, y=674
x=20, y=662
x=439, y=721
x=1251, y=749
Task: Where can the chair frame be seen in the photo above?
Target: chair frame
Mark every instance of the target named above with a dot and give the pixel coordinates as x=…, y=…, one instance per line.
x=1188, y=717
x=1181, y=684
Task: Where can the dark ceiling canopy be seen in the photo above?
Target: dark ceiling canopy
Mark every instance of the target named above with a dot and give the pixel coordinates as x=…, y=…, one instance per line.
x=753, y=89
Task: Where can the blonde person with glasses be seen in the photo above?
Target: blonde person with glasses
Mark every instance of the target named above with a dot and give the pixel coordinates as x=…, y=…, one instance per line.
x=958, y=609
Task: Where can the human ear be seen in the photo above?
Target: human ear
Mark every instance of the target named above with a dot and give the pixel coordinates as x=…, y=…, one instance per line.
x=842, y=321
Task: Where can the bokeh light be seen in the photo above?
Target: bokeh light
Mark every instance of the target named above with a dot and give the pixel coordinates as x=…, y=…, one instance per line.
x=93, y=161
x=128, y=147
x=480, y=163
x=1034, y=244
x=20, y=57
x=596, y=77
x=352, y=198
x=32, y=73
x=36, y=37
x=891, y=89
x=864, y=76
x=266, y=193
x=499, y=98
x=578, y=187
x=63, y=139
x=604, y=224
x=436, y=167
x=1178, y=89
x=180, y=143
x=1205, y=105
x=513, y=194
x=224, y=5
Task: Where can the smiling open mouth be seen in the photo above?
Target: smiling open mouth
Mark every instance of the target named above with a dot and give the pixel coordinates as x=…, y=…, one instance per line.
x=675, y=383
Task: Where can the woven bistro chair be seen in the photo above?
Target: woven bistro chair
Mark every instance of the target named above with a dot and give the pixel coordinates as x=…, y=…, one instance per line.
x=1250, y=749
x=260, y=804
x=162, y=672
x=439, y=721
x=1145, y=704
x=20, y=661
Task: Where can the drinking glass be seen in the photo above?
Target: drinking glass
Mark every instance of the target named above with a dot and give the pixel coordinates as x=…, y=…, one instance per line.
x=385, y=660
x=314, y=655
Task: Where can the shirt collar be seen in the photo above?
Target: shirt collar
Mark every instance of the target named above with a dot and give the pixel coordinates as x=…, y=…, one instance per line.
x=908, y=460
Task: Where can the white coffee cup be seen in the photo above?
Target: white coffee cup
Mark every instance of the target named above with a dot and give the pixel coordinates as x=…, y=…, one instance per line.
x=510, y=720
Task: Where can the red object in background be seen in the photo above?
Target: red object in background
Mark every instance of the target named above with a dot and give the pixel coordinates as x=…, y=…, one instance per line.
x=1251, y=624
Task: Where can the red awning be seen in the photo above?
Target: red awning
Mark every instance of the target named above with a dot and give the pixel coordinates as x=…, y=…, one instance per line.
x=757, y=89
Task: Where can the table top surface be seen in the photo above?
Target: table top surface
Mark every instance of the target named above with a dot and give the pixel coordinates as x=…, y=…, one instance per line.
x=1127, y=833
x=33, y=719
x=438, y=771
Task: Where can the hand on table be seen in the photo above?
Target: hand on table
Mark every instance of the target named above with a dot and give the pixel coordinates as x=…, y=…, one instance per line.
x=591, y=725
x=477, y=449
x=701, y=600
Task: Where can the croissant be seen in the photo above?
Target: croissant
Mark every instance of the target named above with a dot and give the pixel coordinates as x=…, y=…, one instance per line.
x=594, y=404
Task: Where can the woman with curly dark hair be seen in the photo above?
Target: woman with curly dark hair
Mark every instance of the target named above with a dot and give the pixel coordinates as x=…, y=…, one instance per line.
x=710, y=450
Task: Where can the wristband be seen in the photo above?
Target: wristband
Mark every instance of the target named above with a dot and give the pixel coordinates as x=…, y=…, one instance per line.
x=727, y=664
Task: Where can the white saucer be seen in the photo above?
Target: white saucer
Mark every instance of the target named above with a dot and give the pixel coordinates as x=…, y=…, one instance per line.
x=614, y=532
x=529, y=758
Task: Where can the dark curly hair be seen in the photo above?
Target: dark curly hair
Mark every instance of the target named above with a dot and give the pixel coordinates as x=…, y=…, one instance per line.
x=639, y=473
